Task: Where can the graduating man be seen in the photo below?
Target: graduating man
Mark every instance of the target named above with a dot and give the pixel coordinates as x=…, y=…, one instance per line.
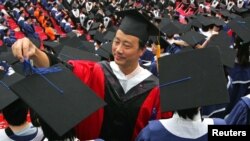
x=131, y=92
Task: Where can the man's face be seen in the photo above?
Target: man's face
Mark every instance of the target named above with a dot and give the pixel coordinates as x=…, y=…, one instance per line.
x=126, y=49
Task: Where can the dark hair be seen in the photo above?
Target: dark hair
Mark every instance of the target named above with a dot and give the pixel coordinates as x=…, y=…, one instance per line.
x=188, y=113
x=141, y=44
x=16, y=113
x=51, y=135
x=243, y=55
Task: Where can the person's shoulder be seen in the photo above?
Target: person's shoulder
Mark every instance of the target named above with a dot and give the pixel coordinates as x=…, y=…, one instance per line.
x=3, y=135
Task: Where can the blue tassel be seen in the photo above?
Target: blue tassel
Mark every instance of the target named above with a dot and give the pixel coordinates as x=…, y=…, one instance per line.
x=5, y=66
x=29, y=69
x=4, y=84
x=176, y=81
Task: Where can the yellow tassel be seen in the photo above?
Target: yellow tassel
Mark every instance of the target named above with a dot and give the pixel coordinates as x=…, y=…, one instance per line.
x=158, y=51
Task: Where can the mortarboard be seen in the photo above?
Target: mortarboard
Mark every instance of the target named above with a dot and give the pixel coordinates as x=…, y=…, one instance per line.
x=75, y=49
x=88, y=46
x=105, y=51
x=164, y=21
x=161, y=40
x=98, y=37
x=71, y=34
x=205, y=21
x=244, y=12
x=227, y=54
x=69, y=53
x=225, y=13
x=59, y=98
x=6, y=55
x=136, y=24
x=109, y=36
x=170, y=29
x=51, y=45
x=95, y=26
x=241, y=27
x=191, y=79
x=193, y=38
x=7, y=78
x=183, y=27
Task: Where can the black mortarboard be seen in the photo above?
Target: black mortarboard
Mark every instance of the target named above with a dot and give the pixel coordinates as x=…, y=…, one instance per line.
x=98, y=37
x=223, y=41
x=182, y=27
x=6, y=94
x=225, y=13
x=193, y=38
x=242, y=28
x=59, y=98
x=95, y=25
x=218, y=22
x=108, y=13
x=71, y=34
x=71, y=53
x=72, y=42
x=109, y=36
x=72, y=49
x=51, y=45
x=105, y=51
x=6, y=55
x=205, y=21
x=88, y=46
x=244, y=12
x=136, y=24
x=164, y=21
x=170, y=29
x=192, y=79
x=159, y=40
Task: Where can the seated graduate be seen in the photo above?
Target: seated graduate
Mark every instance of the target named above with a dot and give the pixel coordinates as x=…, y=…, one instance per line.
x=240, y=114
x=240, y=73
x=183, y=90
x=14, y=110
x=59, y=104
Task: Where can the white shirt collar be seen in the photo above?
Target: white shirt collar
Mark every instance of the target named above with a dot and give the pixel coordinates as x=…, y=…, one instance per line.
x=185, y=128
x=129, y=81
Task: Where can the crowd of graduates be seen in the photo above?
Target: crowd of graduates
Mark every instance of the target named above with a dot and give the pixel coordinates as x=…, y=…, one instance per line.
x=87, y=30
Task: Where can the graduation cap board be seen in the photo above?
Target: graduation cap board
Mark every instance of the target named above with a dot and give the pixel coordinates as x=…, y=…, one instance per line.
x=7, y=78
x=222, y=41
x=242, y=28
x=193, y=38
x=105, y=51
x=6, y=55
x=59, y=98
x=192, y=79
x=82, y=51
x=170, y=29
x=136, y=24
x=69, y=53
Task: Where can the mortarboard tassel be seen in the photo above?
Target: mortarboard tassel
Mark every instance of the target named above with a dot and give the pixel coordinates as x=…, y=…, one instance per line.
x=158, y=50
x=29, y=69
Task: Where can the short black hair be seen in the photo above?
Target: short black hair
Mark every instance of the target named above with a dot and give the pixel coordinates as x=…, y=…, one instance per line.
x=16, y=113
x=188, y=113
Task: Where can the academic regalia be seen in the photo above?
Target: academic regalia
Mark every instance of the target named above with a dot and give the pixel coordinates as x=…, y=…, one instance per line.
x=8, y=135
x=176, y=129
x=30, y=31
x=137, y=108
x=240, y=77
x=9, y=41
x=240, y=114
